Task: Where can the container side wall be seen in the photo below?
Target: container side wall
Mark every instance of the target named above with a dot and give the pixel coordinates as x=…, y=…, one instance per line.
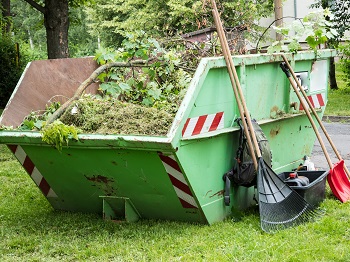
x=206, y=154
x=77, y=178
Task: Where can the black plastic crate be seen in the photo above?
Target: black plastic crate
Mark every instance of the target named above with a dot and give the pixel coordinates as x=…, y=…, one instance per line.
x=314, y=193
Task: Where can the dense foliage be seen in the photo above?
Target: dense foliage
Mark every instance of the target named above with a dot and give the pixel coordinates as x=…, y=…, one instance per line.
x=315, y=27
x=106, y=23
x=161, y=81
x=59, y=134
x=340, y=14
x=345, y=62
x=341, y=18
x=110, y=19
x=29, y=31
x=10, y=69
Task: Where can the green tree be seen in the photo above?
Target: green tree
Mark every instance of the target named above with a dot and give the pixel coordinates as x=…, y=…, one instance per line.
x=56, y=21
x=81, y=43
x=10, y=69
x=110, y=19
x=5, y=15
x=29, y=31
x=341, y=18
x=341, y=12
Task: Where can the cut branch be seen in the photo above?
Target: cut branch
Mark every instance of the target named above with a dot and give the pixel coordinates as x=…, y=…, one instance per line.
x=89, y=81
x=38, y=7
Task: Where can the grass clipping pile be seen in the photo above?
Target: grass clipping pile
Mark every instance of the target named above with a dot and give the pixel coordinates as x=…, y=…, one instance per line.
x=111, y=116
x=141, y=87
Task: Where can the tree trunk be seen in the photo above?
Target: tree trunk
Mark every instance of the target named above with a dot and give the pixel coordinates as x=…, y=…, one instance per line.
x=56, y=23
x=332, y=80
x=278, y=17
x=6, y=14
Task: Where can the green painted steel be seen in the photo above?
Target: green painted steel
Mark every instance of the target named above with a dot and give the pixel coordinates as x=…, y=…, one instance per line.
x=179, y=176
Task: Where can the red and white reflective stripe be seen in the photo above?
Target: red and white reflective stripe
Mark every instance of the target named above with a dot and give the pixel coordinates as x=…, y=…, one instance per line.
x=316, y=101
x=180, y=185
x=203, y=124
x=34, y=173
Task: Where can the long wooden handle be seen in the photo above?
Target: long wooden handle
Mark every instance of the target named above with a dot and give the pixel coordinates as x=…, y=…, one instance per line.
x=315, y=113
x=292, y=82
x=236, y=87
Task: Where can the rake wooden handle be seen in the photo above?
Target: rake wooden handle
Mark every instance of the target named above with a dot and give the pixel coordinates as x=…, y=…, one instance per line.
x=244, y=113
x=292, y=82
x=315, y=114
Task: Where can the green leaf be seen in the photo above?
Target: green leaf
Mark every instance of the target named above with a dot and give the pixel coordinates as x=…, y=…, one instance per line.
x=109, y=56
x=114, y=76
x=142, y=53
x=334, y=32
x=150, y=72
x=139, y=85
x=169, y=87
x=285, y=31
x=311, y=42
x=294, y=46
x=102, y=76
x=155, y=43
x=39, y=124
x=154, y=93
x=27, y=125
x=110, y=88
x=323, y=39
x=131, y=82
x=147, y=101
x=125, y=87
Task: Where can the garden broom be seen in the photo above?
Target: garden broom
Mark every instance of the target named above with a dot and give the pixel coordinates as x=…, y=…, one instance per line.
x=279, y=206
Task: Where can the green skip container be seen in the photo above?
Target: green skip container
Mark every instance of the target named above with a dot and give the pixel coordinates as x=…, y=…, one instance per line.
x=178, y=176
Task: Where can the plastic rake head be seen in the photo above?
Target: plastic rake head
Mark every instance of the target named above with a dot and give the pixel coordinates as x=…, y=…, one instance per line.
x=280, y=206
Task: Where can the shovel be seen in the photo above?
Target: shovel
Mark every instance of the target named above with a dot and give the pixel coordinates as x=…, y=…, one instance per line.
x=337, y=178
x=279, y=206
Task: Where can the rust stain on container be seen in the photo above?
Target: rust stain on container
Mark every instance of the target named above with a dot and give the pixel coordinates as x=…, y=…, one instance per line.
x=103, y=183
x=100, y=179
x=219, y=193
x=275, y=131
x=274, y=111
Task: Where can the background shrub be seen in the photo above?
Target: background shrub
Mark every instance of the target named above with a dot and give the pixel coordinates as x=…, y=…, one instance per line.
x=10, y=70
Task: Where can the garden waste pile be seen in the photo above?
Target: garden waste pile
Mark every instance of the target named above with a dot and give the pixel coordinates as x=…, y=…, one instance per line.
x=110, y=116
x=141, y=86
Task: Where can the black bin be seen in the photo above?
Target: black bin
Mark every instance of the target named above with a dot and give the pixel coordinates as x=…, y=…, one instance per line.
x=314, y=192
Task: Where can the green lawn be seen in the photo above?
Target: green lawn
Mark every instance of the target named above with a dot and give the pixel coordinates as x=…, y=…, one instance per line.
x=339, y=100
x=30, y=230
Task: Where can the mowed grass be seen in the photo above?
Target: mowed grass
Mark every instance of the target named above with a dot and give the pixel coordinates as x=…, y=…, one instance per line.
x=339, y=100
x=30, y=230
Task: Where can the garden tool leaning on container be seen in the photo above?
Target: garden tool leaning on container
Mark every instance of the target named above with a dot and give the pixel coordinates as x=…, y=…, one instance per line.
x=337, y=178
x=279, y=205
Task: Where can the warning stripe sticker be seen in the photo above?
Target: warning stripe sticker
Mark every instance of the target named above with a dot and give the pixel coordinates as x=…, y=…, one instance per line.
x=203, y=124
x=178, y=181
x=31, y=169
x=316, y=101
